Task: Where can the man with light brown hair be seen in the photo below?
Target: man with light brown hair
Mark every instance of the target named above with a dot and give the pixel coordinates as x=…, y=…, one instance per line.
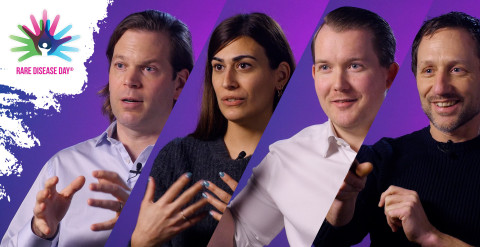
x=150, y=56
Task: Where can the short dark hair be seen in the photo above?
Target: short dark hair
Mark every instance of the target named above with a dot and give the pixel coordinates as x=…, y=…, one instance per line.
x=181, y=52
x=450, y=20
x=348, y=18
x=268, y=34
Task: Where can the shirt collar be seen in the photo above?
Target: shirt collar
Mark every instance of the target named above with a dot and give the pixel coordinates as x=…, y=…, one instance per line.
x=107, y=134
x=331, y=141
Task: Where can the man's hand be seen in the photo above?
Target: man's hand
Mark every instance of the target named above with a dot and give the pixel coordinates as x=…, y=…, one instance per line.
x=221, y=204
x=51, y=206
x=403, y=209
x=111, y=183
x=161, y=220
x=343, y=207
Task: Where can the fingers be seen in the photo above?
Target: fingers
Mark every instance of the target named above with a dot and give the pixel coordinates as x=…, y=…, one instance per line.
x=175, y=188
x=114, y=189
x=221, y=206
x=43, y=195
x=192, y=209
x=395, y=215
x=217, y=216
x=221, y=194
x=363, y=169
x=188, y=195
x=103, y=226
x=111, y=177
x=73, y=187
x=51, y=183
x=106, y=204
x=150, y=192
x=228, y=180
x=390, y=191
x=190, y=222
x=398, y=203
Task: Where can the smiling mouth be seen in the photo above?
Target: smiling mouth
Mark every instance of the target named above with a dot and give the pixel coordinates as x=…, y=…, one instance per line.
x=446, y=103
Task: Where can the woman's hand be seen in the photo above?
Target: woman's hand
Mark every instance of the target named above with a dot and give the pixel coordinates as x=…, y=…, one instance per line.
x=224, y=197
x=160, y=221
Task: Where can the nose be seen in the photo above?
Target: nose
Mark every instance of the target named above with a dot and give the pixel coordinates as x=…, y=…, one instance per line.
x=441, y=84
x=341, y=83
x=230, y=79
x=132, y=78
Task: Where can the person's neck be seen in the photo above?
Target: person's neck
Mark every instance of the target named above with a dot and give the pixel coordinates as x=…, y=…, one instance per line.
x=245, y=138
x=467, y=131
x=353, y=136
x=135, y=141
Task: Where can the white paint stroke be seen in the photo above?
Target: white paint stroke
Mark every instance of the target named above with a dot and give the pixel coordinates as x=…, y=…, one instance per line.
x=27, y=96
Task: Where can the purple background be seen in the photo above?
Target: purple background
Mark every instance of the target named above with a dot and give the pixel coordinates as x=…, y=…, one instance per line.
x=81, y=119
x=298, y=23
x=295, y=113
x=401, y=112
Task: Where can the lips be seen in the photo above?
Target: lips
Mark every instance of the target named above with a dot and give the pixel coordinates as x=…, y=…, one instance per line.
x=344, y=100
x=232, y=100
x=446, y=103
x=131, y=100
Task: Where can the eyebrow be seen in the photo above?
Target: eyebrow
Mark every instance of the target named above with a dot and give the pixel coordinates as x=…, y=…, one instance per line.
x=348, y=61
x=455, y=61
x=150, y=61
x=236, y=59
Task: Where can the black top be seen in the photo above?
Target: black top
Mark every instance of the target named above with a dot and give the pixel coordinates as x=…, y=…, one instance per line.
x=204, y=159
x=445, y=176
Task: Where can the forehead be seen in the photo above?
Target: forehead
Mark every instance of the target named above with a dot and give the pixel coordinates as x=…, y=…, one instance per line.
x=243, y=45
x=448, y=44
x=143, y=45
x=351, y=43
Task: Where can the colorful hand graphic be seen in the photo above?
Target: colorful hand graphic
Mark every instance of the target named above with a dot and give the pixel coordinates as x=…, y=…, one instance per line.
x=44, y=38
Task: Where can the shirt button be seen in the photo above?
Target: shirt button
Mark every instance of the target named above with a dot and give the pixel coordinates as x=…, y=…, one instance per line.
x=339, y=143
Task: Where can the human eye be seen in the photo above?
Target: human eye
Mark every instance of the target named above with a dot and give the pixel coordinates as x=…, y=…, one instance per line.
x=150, y=69
x=427, y=71
x=458, y=70
x=217, y=67
x=119, y=65
x=355, y=66
x=323, y=67
x=244, y=65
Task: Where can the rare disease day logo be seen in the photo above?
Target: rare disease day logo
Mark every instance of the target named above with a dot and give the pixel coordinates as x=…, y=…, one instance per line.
x=44, y=41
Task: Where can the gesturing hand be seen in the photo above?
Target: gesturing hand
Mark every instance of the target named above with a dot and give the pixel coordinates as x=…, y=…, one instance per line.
x=161, y=220
x=111, y=183
x=403, y=209
x=221, y=204
x=343, y=207
x=51, y=206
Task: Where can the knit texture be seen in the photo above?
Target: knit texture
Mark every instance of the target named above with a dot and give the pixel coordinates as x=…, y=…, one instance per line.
x=445, y=176
x=204, y=159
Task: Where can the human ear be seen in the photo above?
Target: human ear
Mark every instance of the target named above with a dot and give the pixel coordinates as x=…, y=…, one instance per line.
x=180, y=81
x=391, y=74
x=282, y=73
x=313, y=71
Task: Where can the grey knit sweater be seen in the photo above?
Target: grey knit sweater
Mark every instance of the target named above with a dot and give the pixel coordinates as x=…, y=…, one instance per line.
x=204, y=159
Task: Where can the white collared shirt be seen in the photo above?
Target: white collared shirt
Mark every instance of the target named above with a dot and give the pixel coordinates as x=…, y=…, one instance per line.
x=100, y=153
x=293, y=187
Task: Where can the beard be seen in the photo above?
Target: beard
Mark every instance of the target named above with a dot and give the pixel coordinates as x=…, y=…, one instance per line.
x=467, y=113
